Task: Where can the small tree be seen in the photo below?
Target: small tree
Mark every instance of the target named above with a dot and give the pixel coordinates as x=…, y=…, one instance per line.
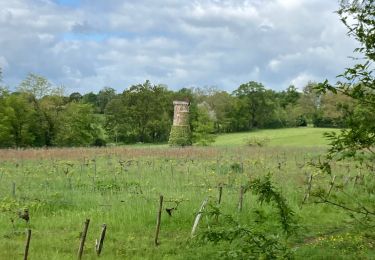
x=204, y=127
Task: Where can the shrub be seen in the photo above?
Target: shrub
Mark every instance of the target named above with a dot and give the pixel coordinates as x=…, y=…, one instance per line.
x=257, y=141
x=180, y=136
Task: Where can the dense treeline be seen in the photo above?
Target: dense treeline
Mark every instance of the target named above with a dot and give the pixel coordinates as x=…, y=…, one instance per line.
x=38, y=114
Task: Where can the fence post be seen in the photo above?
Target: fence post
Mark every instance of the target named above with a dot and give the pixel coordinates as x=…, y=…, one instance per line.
x=83, y=238
x=158, y=221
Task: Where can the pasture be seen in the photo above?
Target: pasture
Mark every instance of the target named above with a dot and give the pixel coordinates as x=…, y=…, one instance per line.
x=120, y=186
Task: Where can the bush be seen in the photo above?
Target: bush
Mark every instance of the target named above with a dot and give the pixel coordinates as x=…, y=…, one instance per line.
x=180, y=136
x=257, y=141
x=301, y=121
x=99, y=142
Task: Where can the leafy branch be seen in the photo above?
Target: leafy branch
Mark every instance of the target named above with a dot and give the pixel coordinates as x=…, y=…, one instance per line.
x=268, y=193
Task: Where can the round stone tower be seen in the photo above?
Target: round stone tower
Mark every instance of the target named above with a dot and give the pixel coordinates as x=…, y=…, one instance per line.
x=180, y=133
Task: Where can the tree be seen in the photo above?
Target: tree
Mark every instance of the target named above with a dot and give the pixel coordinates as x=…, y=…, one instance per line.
x=17, y=121
x=78, y=125
x=254, y=105
x=3, y=89
x=333, y=111
x=91, y=98
x=75, y=96
x=204, y=125
x=357, y=82
x=220, y=102
x=143, y=113
x=289, y=97
x=114, y=120
x=104, y=96
x=47, y=101
x=39, y=87
x=357, y=141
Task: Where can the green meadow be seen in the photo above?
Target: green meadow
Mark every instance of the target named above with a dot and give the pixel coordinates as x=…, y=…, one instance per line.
x=299, y=137
x=121, y=186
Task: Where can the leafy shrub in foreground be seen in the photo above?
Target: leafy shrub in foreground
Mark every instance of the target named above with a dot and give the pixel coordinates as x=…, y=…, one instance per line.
x=235, y=240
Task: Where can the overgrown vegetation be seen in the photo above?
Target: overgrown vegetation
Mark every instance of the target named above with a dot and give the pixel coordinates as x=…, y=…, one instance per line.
x=249, y=240
x=120, y=186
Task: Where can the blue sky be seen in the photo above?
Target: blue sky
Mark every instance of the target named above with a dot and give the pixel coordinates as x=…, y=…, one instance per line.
x=88, y=44
x=73, y=3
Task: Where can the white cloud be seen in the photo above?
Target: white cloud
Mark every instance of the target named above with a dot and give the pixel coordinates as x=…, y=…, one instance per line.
x=179, y=43
x=274, y=65
x=301, y=80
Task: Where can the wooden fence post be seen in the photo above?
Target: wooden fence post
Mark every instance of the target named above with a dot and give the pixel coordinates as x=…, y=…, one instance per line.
x=309, y=184
x=99, y=245
x=332, y=183
x=241, y=198
x=27, y=244
x=158, y=221
x=198, y=217
x=83, y=238
x=220, y=194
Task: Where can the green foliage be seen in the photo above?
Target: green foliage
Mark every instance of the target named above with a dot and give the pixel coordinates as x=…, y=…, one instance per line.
x=104, y=97
x=79, y=126
x=203, y=126
x=180, y=136
x=75, y=97
x=290, y=96
x=267, y=192
x=221, y=105
x=254, y=105
x=17, y=121
x=240, y=241
x=143, y=113
x=257, y=141
x=301, y=121
x=38, y=87
x=62, y=187
x=355, y=143
x=358, y=82
x=236, y=241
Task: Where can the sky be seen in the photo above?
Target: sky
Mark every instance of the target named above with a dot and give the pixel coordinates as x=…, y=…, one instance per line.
x=85, y=45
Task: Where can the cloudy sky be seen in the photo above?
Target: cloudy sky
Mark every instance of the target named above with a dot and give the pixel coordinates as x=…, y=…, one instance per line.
x=88, y=44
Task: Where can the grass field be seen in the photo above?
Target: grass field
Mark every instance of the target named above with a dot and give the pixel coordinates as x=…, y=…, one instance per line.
x=300, y=137
x=120, y=186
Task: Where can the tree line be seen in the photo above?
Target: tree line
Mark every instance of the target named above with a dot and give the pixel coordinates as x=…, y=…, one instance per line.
x=38, y=114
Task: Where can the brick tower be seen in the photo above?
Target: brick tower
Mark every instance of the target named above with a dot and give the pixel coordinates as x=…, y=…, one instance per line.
x=180, y=133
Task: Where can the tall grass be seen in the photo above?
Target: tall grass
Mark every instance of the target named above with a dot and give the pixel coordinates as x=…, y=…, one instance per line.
x=121, y=186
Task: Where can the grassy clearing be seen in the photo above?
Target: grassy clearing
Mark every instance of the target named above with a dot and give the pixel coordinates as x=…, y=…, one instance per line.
x=120, y=186
x=301, y=137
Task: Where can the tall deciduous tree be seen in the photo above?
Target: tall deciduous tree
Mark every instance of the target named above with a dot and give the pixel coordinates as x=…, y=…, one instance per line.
x=78, y=125
x=47, y=101
x=104, y=96
x=143, y=113
x=17, y=121
x=254, y=106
